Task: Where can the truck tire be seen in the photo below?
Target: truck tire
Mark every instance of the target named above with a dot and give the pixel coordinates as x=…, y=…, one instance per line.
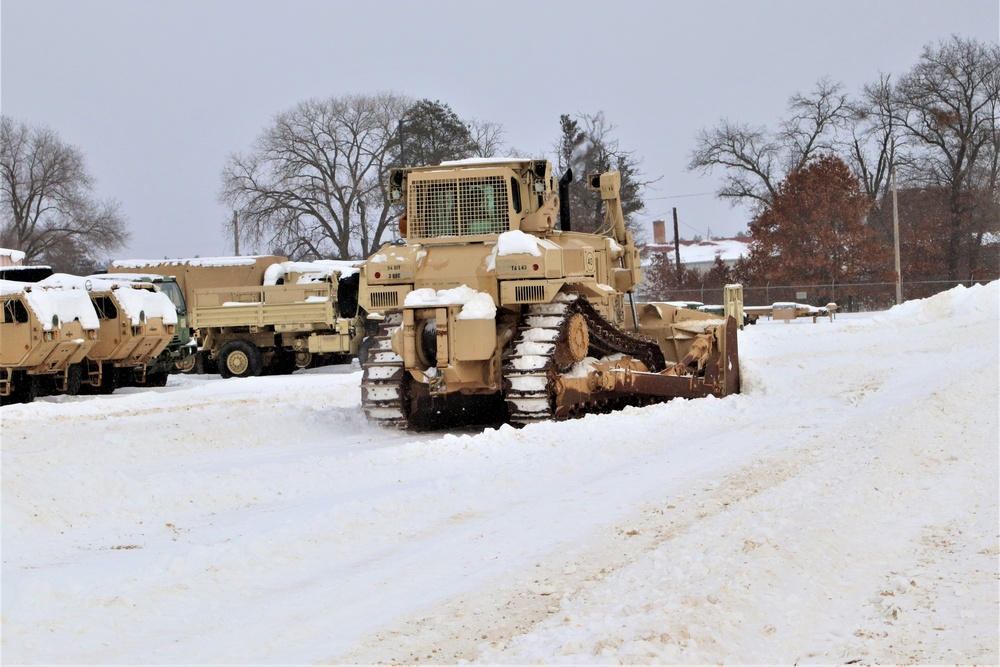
x=109, y=380
x=240, y=359
x=74, y=380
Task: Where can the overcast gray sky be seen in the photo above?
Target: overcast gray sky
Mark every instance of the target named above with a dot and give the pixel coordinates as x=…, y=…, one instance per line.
x=158, y=94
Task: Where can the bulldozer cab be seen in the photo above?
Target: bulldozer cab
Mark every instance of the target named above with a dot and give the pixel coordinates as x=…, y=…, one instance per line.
x=474, y=200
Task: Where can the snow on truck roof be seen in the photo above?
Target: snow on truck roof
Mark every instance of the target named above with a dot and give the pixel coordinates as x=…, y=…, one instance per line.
x=60, y=305
x=15, y=255
x=138, y=302
x=316, y=270
x=243, y=260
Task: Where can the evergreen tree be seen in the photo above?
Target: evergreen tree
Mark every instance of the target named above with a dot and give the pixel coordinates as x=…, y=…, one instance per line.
x=586, y=147
x=431, y=133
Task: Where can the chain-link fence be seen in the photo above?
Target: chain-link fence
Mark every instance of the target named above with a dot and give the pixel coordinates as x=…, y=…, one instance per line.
x=851, y=297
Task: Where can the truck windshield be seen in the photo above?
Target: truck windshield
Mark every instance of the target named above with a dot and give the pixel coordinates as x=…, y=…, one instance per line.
x=174, y=293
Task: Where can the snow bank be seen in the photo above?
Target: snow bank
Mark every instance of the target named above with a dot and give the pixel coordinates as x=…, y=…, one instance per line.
x=961, y=301
x=842, y=510
x=475, y=305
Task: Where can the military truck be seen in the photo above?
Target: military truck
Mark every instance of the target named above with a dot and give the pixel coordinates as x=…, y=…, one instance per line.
x=264, y=314
x=179, y=354
x=492, y=313
x=135, y=324
x=45, y=335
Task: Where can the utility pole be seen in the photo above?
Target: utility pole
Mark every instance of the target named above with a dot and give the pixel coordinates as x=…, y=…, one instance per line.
x=677, y=247
x=895, y=239
x=236, y=232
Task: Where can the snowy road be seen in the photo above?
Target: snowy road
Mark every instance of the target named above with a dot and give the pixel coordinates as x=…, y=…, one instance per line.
x=844, y=507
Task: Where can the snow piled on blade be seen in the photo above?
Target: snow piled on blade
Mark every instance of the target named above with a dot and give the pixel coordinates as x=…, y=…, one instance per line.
x=842, y=509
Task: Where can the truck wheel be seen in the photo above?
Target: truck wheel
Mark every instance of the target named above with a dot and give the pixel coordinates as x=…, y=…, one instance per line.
x=240, y=359
x=187, y=365
x=156, y=379
x=109, y=380
x=74, y=380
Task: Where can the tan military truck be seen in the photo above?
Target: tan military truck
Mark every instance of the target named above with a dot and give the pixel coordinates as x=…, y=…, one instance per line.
x=260, y=314
x=135, y=323
x=45, y=335
x=496, y=310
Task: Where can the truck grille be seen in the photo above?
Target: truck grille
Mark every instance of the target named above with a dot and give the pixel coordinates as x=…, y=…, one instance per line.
x=529, y=293
x=382, y=300
x=458, y=207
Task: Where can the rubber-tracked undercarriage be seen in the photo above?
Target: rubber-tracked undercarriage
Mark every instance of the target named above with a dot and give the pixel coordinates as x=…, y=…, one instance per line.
x=490, y=314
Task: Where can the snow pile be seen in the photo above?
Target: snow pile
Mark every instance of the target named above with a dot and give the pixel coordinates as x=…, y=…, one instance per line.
x=55, y=304
x=139, y=302
x=978, y=300
x=475, y=305
x=514, y=242
x=843, y=509
x=16, y=256
x=311, y=272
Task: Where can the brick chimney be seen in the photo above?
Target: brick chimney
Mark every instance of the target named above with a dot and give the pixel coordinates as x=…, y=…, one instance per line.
x=659, y=232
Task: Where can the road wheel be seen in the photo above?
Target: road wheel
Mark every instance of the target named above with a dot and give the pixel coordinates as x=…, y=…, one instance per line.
x=240, y=359
x=187, y=365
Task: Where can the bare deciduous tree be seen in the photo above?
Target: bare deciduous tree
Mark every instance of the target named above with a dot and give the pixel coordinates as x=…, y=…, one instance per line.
x=948, y=105
x=48, y=208
x=755, y=160
x=487, y=137
x=314, y=183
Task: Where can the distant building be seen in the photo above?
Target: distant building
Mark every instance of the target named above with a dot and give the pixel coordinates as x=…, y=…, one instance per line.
x=11, y=257
x=697, y=255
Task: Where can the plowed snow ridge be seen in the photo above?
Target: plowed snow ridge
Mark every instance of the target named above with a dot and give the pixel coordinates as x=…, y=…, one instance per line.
x=844, y=507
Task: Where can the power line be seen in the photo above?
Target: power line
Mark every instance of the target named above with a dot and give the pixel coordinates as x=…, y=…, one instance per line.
x=695, y=194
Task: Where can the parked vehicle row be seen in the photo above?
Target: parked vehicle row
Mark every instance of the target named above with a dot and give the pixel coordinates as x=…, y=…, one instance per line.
x=70, y=334
x=490, y=308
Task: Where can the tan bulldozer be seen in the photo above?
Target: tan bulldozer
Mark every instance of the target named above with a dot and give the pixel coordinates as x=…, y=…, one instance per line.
x=494, y=310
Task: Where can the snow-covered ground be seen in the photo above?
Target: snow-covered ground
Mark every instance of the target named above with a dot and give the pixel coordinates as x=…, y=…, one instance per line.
x=843, y=508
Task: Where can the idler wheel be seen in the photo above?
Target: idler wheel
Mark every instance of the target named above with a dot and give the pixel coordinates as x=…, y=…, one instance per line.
x=573, y=343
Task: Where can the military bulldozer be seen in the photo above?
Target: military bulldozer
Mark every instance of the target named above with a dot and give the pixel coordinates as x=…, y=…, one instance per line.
x=493, y=313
